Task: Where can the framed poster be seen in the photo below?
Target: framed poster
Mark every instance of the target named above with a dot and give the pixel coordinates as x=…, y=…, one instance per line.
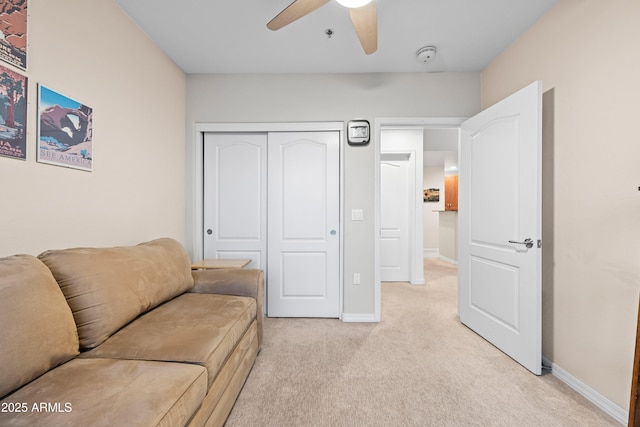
x=13, y=32
x=431, y=195
x=13, y=114
x=65, y=129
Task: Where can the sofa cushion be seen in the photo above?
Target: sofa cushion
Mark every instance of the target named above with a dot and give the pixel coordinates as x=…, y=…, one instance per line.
x=104, y=392
x=106, y=288
x=38, y=332
x=196, y=328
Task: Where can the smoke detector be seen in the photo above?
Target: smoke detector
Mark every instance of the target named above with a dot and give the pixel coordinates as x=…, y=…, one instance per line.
x=426, y=54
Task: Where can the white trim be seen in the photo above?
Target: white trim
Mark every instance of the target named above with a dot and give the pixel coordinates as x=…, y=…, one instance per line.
x=428, y=123
x=343, y=141
x=359, y=318
x=197, y=178
x=377, y=300
x=269, y=127
x=449, y=260
x=430, y=252
x=616, y=411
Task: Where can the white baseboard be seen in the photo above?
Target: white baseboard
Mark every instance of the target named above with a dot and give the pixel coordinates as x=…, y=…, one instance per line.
x=449, y=260
x=430, y=252
x=358, y=318
x=616, y=411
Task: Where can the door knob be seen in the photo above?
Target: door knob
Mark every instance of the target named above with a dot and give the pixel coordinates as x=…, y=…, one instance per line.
x=209, y=231
x=333, y=232
x=527, y=242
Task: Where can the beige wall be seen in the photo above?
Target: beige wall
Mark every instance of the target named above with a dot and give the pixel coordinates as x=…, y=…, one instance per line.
x=333, y=97
x=448, y=229
x=433, y=177
x=91, y=51
x=585, y=52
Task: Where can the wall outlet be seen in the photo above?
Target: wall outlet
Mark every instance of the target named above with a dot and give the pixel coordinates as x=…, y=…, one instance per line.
x=356, y=278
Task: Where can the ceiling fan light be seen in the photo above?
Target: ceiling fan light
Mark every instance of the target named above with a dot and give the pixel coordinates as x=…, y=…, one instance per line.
x=353, y=3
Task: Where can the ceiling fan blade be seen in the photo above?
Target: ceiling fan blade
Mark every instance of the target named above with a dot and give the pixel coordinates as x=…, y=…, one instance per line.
x=295, y=10
x=365, y=22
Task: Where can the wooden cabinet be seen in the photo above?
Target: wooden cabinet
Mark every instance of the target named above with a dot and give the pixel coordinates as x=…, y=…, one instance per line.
x=451, y=193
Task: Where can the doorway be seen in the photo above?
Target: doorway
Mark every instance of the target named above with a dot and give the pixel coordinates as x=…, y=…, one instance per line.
x=490, y=300
x=440, y=200
x=402, y=124
x=395, y=215
x=400, y=173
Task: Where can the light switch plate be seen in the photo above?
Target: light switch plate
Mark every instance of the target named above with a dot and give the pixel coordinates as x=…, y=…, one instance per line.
x=357, y=215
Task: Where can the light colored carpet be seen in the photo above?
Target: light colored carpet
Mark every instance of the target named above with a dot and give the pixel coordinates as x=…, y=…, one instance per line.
x=417, y=367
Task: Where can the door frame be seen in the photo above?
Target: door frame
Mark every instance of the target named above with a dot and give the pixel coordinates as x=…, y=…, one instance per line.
x=195, y=180
x=400, y=123
x=413, y=151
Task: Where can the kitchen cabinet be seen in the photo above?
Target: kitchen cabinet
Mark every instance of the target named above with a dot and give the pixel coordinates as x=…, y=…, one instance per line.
x=451, y=192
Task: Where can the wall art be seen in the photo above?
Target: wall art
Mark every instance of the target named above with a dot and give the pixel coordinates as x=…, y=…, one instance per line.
x=13, y=32
x=431, y=195
x=13, y=114
x=65, y=130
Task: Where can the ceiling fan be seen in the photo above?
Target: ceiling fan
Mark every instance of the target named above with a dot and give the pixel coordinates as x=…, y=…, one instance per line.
x=363, y=16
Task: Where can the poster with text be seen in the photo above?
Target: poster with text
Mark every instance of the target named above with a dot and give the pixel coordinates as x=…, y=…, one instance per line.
x=13, y=114
x=65, y=129
x=13, y=32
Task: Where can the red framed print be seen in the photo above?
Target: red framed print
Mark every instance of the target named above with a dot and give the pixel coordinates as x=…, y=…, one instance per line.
x=13, y=32
x=65, y=129
x=13, y=114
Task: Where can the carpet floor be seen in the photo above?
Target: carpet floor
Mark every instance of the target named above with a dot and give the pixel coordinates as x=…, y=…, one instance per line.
x=418, y=367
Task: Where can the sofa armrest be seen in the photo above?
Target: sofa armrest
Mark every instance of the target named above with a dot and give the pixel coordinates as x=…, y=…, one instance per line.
x=233, y=281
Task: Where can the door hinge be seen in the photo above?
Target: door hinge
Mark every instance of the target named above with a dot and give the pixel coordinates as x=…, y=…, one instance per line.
x=539, y=243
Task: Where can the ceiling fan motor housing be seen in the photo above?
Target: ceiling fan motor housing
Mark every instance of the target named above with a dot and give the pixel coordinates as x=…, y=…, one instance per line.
x=426, y=54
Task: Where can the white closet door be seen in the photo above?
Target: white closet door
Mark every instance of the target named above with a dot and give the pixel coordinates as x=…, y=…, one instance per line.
x=303, y=267
x=235, y=187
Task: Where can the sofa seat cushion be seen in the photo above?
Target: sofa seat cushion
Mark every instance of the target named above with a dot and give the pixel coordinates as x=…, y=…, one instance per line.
x=107, y=392
x=195, y=328
x=38, y=332
x=107, y=288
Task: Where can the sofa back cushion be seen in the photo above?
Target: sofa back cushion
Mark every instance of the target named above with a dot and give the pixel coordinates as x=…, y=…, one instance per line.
x=106, y=288
x=38, y=332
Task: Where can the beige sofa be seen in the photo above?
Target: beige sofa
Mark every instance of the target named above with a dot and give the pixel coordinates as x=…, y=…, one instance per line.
x=124, y=336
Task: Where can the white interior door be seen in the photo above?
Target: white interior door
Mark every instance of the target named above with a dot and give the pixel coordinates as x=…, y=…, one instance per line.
x=235, y=191
x=304, y=184
x=499, y=276
x=394, y=217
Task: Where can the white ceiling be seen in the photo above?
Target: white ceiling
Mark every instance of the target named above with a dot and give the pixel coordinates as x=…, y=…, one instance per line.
x=217, y=36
